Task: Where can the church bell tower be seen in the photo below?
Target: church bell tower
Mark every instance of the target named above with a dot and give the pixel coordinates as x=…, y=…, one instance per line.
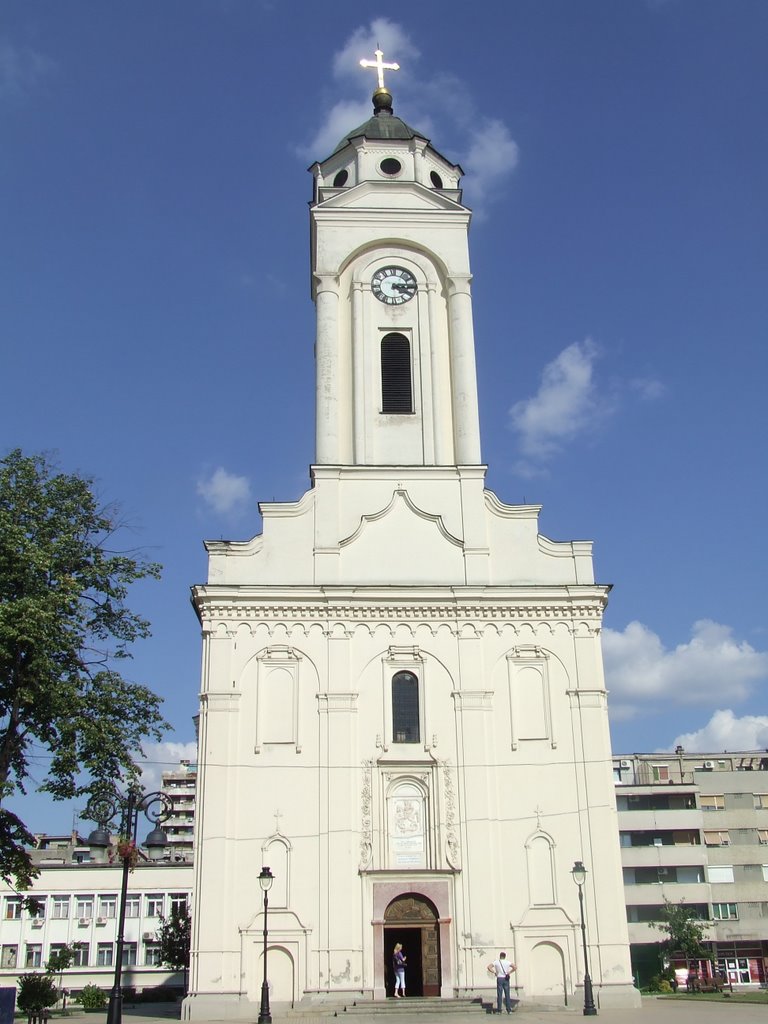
x=402, y=705
x=396, y=381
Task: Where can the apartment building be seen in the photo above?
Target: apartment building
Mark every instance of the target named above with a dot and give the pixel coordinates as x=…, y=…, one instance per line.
x=179, y=786
x=78, y=902
x=694, y=827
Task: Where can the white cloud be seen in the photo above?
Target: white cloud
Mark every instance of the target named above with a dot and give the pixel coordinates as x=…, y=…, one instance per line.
x=224, y=492
x=381, y=34
x=724, y=731
x=342, y=118
x=564, y=406
x=644, y=677
x=493, y=154
x=163, y=757
x=21, y=68
x=648, y=388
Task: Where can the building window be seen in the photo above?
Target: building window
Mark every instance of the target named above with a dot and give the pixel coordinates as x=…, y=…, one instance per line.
x=13, y=908
x=154, y=905
x=84, y=907
x=132, y=906
x=129, y=954
x=60, y=908
x=82, y=954
x=660, y=772
x=152, y=954
x=725, y=912
x=712, y=802
x=719, y=838
x=9, y=956
x=405, y=708
x=396, y=387
x=720, y=873
x=33, y=956
x=107, y=906
x=761, y=801
x=104, y=954
x=37, y=910
x=178, y=901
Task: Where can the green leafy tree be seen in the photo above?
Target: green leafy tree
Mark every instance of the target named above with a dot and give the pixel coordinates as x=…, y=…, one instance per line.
x=174, y=937
x=64, y=624
x=684, y=930
x=36, y=993
x=60, y=960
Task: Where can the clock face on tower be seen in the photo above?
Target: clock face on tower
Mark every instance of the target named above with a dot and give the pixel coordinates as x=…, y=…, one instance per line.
x=393, y=285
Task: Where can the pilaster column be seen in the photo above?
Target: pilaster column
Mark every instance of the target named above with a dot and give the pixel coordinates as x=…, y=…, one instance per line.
x=464, y=377
x=443, y=456
x=359, y=452
x=326, y=370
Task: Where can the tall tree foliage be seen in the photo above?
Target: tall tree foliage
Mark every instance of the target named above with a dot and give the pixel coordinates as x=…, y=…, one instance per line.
x=64, y=625
x=174, y=937
x=684, y=930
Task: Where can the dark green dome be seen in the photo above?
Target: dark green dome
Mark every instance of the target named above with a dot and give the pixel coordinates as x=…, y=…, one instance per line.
x=383, y=124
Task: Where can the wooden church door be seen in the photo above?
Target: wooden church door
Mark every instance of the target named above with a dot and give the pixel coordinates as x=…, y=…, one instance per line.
x=411, y=920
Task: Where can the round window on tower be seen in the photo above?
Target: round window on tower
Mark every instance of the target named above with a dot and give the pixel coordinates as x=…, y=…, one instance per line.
x=437, y=181
x=341, y=179
x=390, y=166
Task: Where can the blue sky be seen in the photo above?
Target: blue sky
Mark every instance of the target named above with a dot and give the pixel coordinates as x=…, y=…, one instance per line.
x=157, y=328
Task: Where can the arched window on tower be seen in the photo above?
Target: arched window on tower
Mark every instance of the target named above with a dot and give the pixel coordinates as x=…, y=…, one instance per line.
x=405, y=708
x=396, y=387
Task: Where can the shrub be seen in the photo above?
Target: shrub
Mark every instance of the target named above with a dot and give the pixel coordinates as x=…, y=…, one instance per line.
x=93, y=998
x=36, y=992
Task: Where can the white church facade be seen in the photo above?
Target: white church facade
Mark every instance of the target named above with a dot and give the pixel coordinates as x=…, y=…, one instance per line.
x=403, y=711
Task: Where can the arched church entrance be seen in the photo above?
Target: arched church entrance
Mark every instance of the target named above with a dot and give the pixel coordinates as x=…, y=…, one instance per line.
x=412, y=920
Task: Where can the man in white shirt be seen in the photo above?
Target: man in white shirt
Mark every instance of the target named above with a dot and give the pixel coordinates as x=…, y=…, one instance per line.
x=502, y=969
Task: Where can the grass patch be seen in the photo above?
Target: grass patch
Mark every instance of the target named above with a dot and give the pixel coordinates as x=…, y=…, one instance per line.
x=760, y=998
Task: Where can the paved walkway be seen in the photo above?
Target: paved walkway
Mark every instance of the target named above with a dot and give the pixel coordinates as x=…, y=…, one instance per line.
x=654, y=1011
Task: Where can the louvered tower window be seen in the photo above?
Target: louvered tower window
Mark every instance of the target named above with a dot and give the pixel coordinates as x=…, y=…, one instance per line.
x=396, y=388
x=405, y=708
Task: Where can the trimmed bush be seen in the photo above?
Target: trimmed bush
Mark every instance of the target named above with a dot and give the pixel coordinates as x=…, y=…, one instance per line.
x=93, y=998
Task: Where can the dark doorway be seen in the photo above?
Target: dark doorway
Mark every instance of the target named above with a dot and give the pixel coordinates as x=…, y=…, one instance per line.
x=412, y=920
x=414, y=975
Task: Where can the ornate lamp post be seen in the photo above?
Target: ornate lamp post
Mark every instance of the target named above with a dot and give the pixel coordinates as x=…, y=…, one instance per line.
x=579, y=873
x=105, y=809
x=266, y=878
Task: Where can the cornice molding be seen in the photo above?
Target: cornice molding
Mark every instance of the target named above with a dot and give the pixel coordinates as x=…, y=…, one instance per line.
x=238, y=610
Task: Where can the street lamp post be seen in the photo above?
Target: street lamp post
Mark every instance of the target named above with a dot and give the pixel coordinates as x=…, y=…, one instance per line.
x=105, y=809
x=579, y=873
x=266, y=878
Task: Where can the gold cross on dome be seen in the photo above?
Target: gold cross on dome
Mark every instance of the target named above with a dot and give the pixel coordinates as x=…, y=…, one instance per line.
x=380, y=66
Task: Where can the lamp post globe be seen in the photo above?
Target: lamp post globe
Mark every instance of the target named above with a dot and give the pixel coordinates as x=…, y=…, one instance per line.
x=266, y=878
x=108, y=808
x=579, y=873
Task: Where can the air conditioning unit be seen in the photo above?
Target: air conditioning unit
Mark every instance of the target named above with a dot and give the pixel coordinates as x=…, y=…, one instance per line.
x=101, y=920
x=84, y=921
x=148, y=936
x=37, y=922
x=709, y=765
x=626, y=764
